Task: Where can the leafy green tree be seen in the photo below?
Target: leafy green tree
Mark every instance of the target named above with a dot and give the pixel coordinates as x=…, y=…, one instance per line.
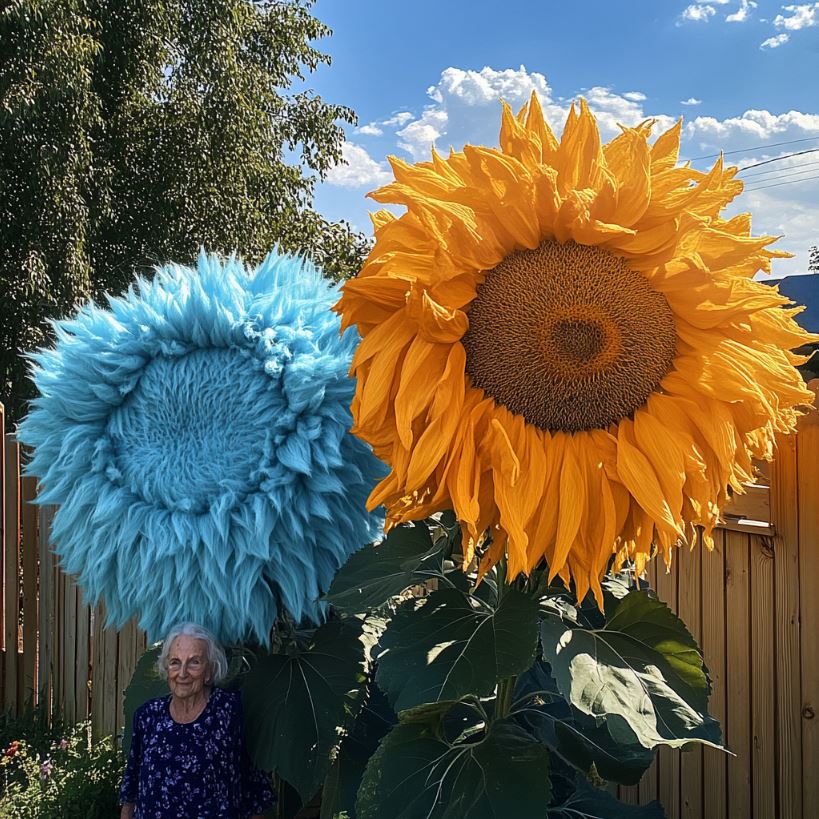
x=132, y=132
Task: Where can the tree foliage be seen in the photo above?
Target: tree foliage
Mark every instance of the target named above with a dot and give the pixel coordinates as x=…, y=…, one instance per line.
x=132, y=132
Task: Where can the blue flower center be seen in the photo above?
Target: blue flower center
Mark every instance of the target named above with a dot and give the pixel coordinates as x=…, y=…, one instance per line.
x=188, y=437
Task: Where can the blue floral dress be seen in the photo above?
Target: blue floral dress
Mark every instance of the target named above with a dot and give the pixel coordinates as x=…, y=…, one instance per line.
x=198, y=770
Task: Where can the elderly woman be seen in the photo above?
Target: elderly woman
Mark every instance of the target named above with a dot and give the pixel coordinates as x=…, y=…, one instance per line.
x=187, y=757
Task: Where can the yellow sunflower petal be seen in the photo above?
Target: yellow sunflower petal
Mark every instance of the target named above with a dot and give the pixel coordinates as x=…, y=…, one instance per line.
x=563, y=341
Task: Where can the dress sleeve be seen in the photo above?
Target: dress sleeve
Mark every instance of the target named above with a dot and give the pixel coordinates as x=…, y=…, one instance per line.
x=130, y=779
x=257, y=795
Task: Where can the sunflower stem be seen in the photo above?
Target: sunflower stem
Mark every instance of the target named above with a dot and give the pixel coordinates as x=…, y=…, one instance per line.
x=506, y=690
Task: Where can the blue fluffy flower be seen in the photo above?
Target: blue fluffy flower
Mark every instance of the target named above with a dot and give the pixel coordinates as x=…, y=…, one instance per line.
x=195, y=436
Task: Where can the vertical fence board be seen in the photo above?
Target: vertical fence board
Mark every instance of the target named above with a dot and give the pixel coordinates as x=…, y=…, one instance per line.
x=29, y=547
x=785, y=517
x=110, y=692
x=668, y=760
x=11, y=566
x=763, y=683
x=97, y=681
x=70, y=639
x=82, y=670
x=45, y=660
x=648, y=783
x=807, y=461
x=738, y=671
x=690, y=611
x=713, y=645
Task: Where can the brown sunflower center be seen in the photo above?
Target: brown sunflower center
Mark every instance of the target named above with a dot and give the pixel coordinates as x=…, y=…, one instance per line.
x=568, y=336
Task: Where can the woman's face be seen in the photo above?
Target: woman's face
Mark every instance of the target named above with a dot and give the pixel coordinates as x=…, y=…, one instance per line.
x=188, y=667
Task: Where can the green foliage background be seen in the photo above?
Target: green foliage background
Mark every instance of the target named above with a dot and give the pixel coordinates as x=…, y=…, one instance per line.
x=132, y=132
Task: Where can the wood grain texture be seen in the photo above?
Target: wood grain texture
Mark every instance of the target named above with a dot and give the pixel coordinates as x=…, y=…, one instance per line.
x=785, y=517
x=668, y=760
x=11, y=567
x=738, y=673
x=713, y=643
x=689, y=608
x=807, y=467
x=763, y=678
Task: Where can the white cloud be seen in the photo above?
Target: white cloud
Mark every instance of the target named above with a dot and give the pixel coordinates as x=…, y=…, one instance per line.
x=458, y=111
x=464, y=108
x=397, y=119
x=371, y=129
x=751, y=128
x=802, y=16
x=775, y=42
x=698, y=13
x=358, y=169
x=741, y=14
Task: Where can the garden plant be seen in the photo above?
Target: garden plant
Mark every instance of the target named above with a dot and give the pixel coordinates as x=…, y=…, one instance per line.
x=566, y=368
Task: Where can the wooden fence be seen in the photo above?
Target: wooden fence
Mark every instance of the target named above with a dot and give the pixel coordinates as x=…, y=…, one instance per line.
x=55, y=650
x=752, y=603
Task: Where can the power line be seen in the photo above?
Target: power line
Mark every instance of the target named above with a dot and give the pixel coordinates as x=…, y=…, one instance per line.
x=765, y=173
x=779, y=159
x=779, y=176
x=778, y=184
x=755, y=148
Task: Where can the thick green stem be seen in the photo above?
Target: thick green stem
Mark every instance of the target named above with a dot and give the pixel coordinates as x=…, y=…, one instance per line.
x=506, y=690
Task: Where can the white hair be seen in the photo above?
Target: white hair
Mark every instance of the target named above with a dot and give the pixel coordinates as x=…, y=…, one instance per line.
x=215, y=653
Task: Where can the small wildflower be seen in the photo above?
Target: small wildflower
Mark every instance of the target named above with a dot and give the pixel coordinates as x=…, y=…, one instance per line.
x=46, y=769
x=12, y=749
x=63, y=744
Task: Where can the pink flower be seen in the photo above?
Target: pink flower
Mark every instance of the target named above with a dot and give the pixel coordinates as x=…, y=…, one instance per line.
x=46, y=769
x=63, y=744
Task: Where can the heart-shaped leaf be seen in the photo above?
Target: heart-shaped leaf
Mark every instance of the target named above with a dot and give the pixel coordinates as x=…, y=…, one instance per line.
x=374, y=574
x=418, y=773
x=642, y=672
x=450, y=645
x=578, y=739
x=294, y=703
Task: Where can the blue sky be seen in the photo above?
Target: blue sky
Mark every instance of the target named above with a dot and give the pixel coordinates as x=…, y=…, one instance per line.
x=742, y=74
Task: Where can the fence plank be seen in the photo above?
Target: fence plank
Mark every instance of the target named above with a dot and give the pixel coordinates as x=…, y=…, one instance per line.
x=738, y=671
x=690, y=611
x=81, y=673
x=11, y=566
x=668, y=760
x=785, y=517
x=648, y=783
x=763, y=688
x=45, y=660
x=713, y=646
x=70, y=653
x=97, y=681
x=807, y=461
x=29, y=548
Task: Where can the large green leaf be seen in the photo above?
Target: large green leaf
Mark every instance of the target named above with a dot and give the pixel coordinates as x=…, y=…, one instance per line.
x=450, y=645
x=642, y=672
x=587, y=802
x=418, y=774
x=296, y=703
x=145, y=684
x=580, y=740
x=371, y=725
x=374, y=574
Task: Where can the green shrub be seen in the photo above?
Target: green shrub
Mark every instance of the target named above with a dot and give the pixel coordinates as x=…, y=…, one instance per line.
x=75, y=779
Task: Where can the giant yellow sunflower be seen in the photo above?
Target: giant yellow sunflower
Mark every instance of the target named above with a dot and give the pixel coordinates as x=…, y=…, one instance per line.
x=563, y=342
